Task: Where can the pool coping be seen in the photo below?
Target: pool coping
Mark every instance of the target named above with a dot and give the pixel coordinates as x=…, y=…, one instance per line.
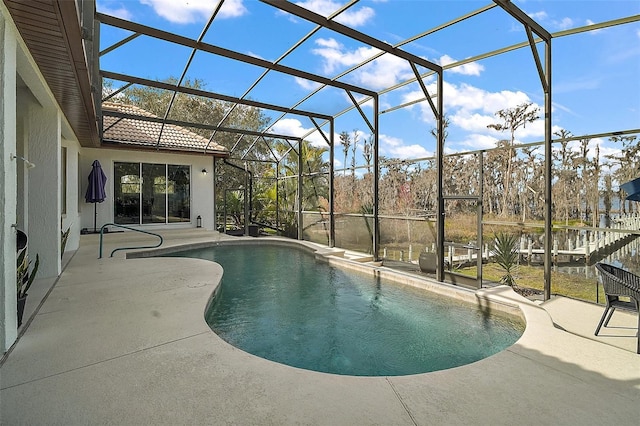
x=500, y=298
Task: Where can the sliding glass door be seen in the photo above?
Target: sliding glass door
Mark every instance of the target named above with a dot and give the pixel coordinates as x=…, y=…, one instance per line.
x=148, y=193
x=178, y=187
x=154, y=193
x=127, y=193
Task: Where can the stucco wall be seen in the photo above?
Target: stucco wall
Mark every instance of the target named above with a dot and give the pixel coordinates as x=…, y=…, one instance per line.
x=201, y=185
x=71, y=218
x=8, y=321
x=44, y=200
x=31, y=126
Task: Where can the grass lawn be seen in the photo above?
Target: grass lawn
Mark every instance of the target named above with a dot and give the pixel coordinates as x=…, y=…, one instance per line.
x=571, y=285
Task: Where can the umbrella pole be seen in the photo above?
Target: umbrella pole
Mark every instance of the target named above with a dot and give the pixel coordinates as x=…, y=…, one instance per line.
x=95, y=217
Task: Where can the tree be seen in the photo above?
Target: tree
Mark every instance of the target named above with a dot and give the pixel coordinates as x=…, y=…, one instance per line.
x=512, y=119
x=566, y=176
x=530, y=182
x=345, y=140
x=628, y=161
x=315, y=188
x=445, y=125
x=354, y=146
x=367, y=152
x=606, y=198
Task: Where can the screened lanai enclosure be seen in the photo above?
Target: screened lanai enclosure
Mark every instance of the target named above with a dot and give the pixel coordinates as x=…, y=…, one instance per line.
x=354, y=130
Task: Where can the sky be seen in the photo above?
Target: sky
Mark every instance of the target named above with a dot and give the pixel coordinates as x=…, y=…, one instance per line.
x=595, y=74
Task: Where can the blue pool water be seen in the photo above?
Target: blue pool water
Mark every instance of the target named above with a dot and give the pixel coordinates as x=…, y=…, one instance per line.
x=281, y=304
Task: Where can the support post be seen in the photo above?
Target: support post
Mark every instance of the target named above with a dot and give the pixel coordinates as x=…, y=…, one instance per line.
x=548, y=173
x=215, y=213
x=278, y=195
x=480, y=240
x=440, y=162
x=376, y=178
x=300, y=189
x=246, y=200
x=332, y=219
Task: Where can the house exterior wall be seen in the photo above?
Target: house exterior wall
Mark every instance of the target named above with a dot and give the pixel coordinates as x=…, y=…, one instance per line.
x=44, y=200
x=72, y=218
x=8, y=186
x=31, y=126
x=201, y=185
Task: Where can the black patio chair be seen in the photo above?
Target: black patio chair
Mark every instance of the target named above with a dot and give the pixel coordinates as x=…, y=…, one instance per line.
x=618, y=282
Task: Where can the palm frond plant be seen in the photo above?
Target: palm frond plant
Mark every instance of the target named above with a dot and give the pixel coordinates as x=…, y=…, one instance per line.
x=24, y=277
x=506, y=255
x=64, y=237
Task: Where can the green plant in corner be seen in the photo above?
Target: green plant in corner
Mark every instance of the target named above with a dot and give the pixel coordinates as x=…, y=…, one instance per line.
x=24, y=278
x=64, y=236
x=506, y=255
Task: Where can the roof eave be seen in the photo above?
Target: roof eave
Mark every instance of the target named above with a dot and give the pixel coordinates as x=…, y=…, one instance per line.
x=125, y=145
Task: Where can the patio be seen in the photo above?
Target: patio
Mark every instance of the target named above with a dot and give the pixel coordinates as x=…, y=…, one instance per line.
x=125, y=342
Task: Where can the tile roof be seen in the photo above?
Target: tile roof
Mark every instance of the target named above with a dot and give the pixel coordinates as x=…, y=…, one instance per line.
x=139, y=133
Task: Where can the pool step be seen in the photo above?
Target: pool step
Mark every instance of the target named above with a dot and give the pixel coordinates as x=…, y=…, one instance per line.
x=350, y=255
x=359, y=257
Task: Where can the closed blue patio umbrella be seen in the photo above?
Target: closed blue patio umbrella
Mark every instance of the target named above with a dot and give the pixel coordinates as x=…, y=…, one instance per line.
x=632, y=188
x=96, y=189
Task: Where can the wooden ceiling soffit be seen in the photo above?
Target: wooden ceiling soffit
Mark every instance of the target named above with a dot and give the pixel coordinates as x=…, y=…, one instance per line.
x=52, y=32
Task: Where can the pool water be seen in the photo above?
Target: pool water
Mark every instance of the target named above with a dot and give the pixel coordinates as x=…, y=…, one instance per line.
x=279, y=303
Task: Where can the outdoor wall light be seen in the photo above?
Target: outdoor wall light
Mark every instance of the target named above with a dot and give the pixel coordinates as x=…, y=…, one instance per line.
x=204, y=172
x=27, y=163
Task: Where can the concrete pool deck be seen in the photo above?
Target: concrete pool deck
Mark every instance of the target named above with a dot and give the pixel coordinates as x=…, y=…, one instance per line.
x=123, y=341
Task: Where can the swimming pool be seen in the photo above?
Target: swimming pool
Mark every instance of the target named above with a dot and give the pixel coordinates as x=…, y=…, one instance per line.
x=280, y=303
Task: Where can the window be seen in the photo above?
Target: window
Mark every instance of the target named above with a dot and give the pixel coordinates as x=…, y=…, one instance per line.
x=151, y=193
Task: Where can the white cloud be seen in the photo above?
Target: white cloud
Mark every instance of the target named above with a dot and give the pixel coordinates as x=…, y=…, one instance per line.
x=395, y=147
x=590, y=22
x=353, y=17
x=550, y=23
x=255, y=55
x=472, y=68
x=293, y=127
x=564, y=23
x=538, y=16
x=306, y=84
x=472, y=109
x=385, y=71
x=470, y=98
x=478, y=141
x=465, y=100
x=336, y=56
x=472, y=122
x=118, y=11
x=194, y=10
